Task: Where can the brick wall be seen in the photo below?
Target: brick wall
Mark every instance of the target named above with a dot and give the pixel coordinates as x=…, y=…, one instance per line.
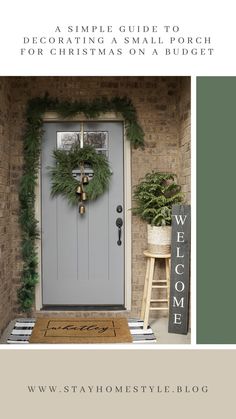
x=163, y=107
x=5, y=207
x=185, y=138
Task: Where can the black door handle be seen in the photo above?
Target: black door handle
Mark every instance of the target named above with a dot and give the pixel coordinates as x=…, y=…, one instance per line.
x=119, y=224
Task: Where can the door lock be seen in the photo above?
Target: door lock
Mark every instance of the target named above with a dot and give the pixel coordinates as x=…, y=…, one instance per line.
x=119, y=208
x=119, y=224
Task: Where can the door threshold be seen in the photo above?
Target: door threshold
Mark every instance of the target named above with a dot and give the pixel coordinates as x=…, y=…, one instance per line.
x=83, y=308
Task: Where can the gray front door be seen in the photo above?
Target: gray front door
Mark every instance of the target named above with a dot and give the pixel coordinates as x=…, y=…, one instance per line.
x=82, y=264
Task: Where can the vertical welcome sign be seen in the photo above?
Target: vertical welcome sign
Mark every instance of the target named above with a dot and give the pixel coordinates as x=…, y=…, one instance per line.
x=180, y=269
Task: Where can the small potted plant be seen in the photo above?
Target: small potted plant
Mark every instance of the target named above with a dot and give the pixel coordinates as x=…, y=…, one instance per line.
x=154, y=197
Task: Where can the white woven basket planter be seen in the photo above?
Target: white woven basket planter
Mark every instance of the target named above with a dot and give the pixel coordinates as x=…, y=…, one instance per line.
x=159, y=239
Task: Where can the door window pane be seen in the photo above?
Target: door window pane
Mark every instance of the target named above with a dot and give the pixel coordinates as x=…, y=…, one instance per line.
x=66, y=139
x=98, y=140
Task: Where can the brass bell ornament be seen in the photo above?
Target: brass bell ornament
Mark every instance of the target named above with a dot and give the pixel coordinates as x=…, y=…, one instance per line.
x=83, y=196
x=79, y=190
x=85, y=180
x=81, y=209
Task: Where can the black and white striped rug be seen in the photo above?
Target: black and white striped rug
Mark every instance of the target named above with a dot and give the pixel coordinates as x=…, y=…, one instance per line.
x=23, y=328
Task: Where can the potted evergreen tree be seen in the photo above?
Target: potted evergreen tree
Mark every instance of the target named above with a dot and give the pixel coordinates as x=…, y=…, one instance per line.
x=154, y=197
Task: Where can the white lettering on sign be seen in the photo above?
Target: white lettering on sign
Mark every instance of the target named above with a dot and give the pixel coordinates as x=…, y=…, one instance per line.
x=177, y=269
x=180, y=237
x=179, y=286
x=179, y=303
x=178, y=253
x=177, y=318
x=180, y=219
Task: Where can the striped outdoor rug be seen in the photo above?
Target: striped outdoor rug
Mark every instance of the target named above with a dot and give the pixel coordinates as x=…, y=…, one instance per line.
x=23, y=328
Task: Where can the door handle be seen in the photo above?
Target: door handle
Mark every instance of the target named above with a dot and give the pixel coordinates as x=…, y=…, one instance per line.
x=119, y=224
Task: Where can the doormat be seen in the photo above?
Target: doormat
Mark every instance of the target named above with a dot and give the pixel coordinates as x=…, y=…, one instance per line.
x=81, y=330
x=23, y=328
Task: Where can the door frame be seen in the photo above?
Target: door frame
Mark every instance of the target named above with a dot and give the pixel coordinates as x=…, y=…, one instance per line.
x=107, y=117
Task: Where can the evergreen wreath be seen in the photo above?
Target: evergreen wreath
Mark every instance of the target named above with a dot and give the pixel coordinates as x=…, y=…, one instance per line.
x=63, y=181
x=32, y=147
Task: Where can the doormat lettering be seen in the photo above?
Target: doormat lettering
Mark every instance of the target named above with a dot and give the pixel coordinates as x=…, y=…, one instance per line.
x=77, y=330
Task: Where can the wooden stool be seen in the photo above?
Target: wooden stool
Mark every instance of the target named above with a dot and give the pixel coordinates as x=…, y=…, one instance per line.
x=149, y=284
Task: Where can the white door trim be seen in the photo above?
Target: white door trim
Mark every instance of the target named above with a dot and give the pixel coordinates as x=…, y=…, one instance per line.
x=54, y=117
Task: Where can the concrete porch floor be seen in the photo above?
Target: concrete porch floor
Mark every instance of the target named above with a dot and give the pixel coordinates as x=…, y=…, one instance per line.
x=159, y=327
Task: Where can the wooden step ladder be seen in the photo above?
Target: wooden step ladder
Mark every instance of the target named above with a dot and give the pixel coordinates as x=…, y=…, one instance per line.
x=150, y=284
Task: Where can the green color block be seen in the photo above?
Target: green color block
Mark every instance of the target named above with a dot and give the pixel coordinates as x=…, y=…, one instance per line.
x=216, y=209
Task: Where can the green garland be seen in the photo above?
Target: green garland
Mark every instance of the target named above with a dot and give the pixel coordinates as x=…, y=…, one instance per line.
x=32, y=148
x=63, y=181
